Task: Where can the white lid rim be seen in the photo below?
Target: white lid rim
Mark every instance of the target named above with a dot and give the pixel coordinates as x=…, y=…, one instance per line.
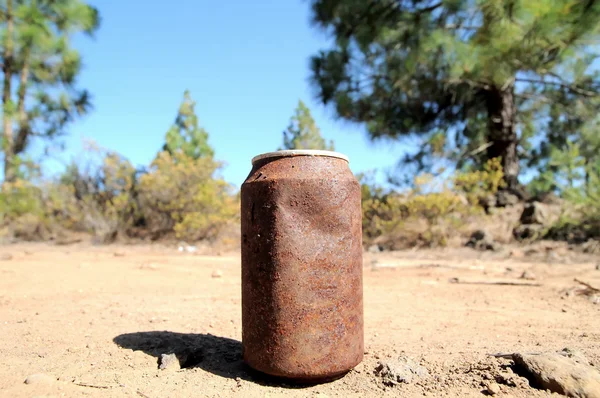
x=300, y=152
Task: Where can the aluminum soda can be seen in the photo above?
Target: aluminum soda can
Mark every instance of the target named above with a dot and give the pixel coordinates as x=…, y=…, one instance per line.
x=302, y=295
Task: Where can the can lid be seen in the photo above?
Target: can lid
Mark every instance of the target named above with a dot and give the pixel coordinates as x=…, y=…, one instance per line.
x=300, y=152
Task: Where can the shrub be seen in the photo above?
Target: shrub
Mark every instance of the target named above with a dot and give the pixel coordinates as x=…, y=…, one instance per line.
x=477, y=185
x=422, y=216
x=180, y=194
x=431, y=211
x=97, y=196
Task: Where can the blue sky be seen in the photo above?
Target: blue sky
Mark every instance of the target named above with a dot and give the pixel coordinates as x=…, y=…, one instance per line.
x=245, y=63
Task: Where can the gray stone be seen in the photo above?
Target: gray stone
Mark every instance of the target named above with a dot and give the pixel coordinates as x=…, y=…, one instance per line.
x=374, y=249
x=592, y=246
x=560, y=373
x=481, y=240
x=528, y=232
x=401, y=370
x=169, y=361
x=506, y=198
x=535, y=213
x=493, y=388
x=488, y=202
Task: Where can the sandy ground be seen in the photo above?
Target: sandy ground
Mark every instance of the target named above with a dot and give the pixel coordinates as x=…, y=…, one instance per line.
x=96, y=319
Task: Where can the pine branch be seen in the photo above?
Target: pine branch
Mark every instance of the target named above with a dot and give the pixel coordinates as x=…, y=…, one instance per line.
x=573, y=89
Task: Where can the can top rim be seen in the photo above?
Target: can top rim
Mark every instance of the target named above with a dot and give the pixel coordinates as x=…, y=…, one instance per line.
x=300, y=152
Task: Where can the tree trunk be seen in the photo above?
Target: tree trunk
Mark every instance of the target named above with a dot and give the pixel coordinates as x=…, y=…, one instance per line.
x=23, y=132
x=7, y=126
x=501, y=132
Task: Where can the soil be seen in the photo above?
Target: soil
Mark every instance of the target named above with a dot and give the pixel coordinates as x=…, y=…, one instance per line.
x=97, y=321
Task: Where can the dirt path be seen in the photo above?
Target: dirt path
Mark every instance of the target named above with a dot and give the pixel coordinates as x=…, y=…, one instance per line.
x=97, y=322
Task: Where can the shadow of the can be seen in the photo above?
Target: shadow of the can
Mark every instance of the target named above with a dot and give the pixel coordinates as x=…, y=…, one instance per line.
x=221, y=356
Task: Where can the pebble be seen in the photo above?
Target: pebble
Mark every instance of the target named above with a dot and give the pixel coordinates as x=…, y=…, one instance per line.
x=217, y=274
x=39, y=378
x=6, y=257
x=528, y=275
x=169, y=361
x=493, y=388
x=119, y=254
x=597, y=267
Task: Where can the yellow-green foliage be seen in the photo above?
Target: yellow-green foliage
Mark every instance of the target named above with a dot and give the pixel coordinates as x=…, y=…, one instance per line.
x=19, y=198
x=431, y=211
x=478, y=184
x=96, y=196
x=423, y=215
x=180, y=194
x=21, y=210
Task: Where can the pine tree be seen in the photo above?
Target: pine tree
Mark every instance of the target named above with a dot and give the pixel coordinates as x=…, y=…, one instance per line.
x=185, y=135
x=303, y=132
x=39, y=71
x=474, y=80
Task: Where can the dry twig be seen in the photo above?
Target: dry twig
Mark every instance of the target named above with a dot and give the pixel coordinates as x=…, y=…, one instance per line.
x=498, y=283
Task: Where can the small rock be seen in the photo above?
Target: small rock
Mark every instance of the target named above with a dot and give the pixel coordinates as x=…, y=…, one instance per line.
x=493, y=388
x=528, y=232
x=169, y=361
x=597, y=267
x=488, y=203
x=535, y=213
x=591, y=247
x=6, y=257
x=560, y=374
x=216, y=274
x=119, y=254
x=39, y=378
x=506, y=198
x=528, y=275
x=374, y=249
x=481, y=240
x=401, y=370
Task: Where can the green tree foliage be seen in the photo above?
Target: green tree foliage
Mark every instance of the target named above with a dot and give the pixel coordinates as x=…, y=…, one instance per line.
x=39, y=71
x=180, y=192
x=303, y=132
x=185, y=134
x=474, y=80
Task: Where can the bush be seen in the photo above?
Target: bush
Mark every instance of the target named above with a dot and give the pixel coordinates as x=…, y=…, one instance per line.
x=478, y=185
x=97, y=196
x=429, y=213
x=22, y=211
x=582, y=222
x=179, y=194
x=422, y=216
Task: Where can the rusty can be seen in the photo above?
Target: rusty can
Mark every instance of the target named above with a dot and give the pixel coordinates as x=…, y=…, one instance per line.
x=302, y=297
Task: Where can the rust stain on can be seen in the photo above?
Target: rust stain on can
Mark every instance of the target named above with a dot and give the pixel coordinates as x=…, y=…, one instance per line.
x=302, y=299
